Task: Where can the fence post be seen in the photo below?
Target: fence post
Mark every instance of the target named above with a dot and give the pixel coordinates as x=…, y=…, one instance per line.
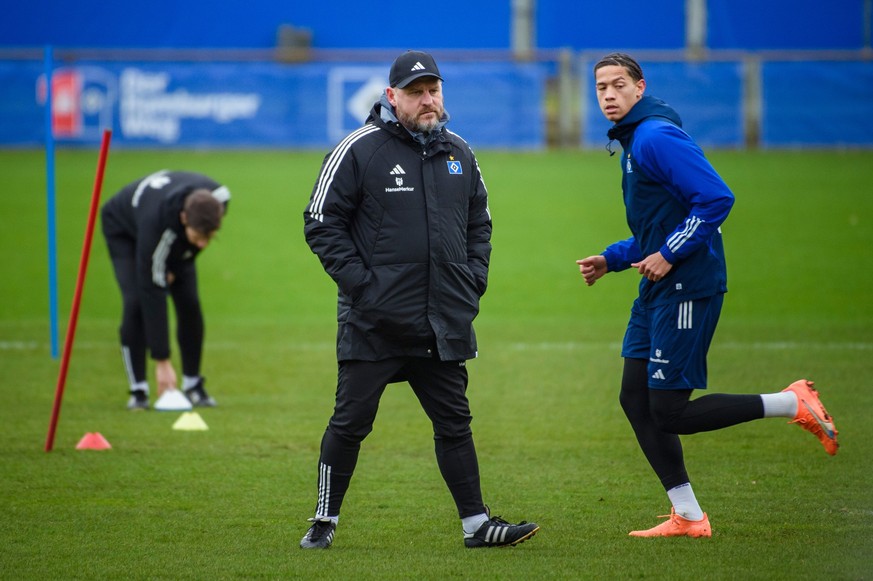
x=523, y=27
x=568, y=100
x=695, y=28
x=752, y=101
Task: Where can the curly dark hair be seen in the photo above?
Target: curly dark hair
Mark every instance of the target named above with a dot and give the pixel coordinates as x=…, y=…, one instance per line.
x=620, y=59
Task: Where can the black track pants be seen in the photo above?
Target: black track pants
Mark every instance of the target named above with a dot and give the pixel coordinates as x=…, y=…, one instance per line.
x=186, y=302
x=441, y=389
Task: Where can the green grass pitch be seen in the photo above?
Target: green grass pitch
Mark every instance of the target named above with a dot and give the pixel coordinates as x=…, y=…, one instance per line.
x=554, y=447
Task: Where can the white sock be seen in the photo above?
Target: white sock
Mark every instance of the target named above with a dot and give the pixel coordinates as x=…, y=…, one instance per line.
x=140, y=386
x=471, y=524
x=333, y=519
x=779, y=405
x=189, y=382
x=684, y=502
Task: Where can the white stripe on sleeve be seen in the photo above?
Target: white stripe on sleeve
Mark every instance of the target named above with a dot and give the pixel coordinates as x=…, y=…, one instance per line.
x=330, y=167
x=159, y=258
x=675, y=242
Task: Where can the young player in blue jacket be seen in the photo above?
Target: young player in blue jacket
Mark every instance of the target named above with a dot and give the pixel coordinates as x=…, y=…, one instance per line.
x=676, y=204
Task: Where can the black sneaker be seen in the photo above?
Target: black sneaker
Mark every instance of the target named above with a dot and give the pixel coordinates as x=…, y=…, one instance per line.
x=319, y=535
x=198, y=397
x=139, y=400
x=496, y=532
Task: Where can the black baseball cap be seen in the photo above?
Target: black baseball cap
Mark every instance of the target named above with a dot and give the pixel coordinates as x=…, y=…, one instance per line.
x=411, y=65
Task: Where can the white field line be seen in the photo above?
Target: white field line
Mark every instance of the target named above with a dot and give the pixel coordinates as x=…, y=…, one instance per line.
x=21, y=345
x=734, y=345
x=545, y=346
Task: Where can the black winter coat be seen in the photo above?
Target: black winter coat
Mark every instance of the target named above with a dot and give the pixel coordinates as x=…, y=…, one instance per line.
x=404, y=231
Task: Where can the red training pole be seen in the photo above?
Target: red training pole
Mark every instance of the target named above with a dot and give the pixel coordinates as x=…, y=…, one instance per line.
x=80, y=283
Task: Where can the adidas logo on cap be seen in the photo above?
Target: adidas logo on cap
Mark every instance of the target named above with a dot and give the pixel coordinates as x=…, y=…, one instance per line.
x=410, y=66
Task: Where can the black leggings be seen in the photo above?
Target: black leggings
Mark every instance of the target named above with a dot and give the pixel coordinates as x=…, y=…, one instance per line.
x=186, y=302
x=658, y=416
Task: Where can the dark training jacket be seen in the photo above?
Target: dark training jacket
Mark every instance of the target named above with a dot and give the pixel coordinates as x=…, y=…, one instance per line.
x=675, y=204
x=404, y=230
x=147, y=212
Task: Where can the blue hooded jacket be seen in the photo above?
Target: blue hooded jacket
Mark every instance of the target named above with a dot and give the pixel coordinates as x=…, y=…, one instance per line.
x=675, y=203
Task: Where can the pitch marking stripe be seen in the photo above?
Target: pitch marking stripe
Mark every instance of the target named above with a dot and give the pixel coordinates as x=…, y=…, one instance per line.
x=292, y=345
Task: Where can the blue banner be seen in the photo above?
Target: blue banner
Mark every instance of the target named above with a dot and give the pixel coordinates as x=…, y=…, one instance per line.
x=266, y=105
x=817, y=104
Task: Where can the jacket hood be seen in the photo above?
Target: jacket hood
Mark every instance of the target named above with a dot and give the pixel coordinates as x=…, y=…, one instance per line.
x=645, y=108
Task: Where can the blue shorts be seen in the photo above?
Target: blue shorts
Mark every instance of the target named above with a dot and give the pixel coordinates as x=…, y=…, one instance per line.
x=675, y=338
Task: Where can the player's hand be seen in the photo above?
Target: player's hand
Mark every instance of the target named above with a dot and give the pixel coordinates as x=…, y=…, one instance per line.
x=592, y=268
x=165, y=375
x=654, y=267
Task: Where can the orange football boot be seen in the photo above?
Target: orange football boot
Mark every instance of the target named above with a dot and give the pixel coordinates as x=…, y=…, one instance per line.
x=812, y=415
x=677, y=526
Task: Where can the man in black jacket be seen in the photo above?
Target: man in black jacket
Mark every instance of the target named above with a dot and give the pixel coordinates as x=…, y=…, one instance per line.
x=154, y=228
x=399, y=219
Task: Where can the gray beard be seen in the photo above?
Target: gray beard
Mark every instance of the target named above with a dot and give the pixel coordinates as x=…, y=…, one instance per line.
x=417, y=126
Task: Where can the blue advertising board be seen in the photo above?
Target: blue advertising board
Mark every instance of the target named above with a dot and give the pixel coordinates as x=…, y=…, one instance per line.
x=817, y=104
x=313, y=105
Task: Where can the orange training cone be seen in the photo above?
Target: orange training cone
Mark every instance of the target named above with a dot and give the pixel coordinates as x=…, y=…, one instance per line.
x=93, y=441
